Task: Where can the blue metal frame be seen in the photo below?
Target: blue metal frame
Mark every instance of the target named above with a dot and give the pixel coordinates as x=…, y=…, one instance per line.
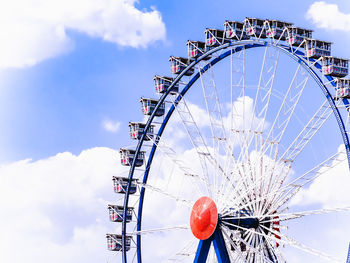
x=219, y=247
x=348, y=258
x=237, y=46
x=202, y=251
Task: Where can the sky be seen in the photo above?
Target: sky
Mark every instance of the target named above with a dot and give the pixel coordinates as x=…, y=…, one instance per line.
x=71, y=76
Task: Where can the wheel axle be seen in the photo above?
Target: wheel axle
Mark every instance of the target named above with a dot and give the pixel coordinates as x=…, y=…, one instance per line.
x=239, y=223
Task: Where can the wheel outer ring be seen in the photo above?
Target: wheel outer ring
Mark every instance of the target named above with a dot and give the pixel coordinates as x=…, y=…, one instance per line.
x=294, y=56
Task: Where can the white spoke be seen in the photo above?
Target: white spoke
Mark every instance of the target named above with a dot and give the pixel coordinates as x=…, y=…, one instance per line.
x=186, y=202
x=291, y=242
x=288, y=216
x=183, y=166
x=285, y=193
x=305, y=136
x=246, y=243
x=295, y=215
x=157, y=230
x=213, y=108
x=287, y=241
x=196, y=139
x=185, y=252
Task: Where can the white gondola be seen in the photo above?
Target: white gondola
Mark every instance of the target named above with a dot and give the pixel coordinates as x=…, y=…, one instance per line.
x=138, y=128
x=116, y=213
x=316, y=48
x=342, y=88
x=121, y=183
x=296, y=35
x=148, y=106
x=335, y=67
x=234, y=30
x=114, y=242
x=195, y=49
x=127, y=157
x=277, y=29
x=214, y=37
x=255, y=27
x=178, y=64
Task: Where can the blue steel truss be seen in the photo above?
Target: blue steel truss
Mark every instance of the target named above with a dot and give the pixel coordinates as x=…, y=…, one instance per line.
x=235, y=46
x=219, y=245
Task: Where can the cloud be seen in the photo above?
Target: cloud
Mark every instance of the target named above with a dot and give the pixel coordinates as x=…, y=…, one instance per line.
x=57, y=206
x=55, y=209
x=34, y=30
x=110, y=125
x=242, y=106
x=328, y=16
x=330, y=189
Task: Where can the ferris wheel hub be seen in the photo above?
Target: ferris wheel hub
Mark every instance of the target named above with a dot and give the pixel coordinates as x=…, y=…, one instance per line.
x=204, y=218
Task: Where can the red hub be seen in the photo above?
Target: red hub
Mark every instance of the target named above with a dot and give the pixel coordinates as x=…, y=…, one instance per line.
x=204, y=218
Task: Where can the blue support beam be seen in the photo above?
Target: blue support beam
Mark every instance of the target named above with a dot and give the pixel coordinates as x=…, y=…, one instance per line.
x=348, y=259
x=219, y=246
x=202, y=251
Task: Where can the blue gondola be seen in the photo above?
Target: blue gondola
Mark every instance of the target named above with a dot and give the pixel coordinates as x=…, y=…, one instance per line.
x=114, y=242
x=116, y=213
x=234, y=30
x=178, y=64
x=335, y=67
x=127, y=157
x=214, y=37
x=296, y=35
x=195, y=49
x=255, y=27
x=162, y=84
x=120, y=184
x=148, y=106
x=277, y=29
x=342, y=88
x=138, y=128
x=316, y=48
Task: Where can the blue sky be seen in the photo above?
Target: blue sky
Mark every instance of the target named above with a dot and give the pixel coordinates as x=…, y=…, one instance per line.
x=58, y=104
x=86, y=75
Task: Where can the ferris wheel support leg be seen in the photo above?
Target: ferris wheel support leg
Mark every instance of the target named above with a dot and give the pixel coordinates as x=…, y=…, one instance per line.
x=348, y=258
x=202, y=251
x=219, y=246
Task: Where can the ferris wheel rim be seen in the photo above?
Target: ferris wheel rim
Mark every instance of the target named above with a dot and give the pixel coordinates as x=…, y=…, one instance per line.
x=297, y=55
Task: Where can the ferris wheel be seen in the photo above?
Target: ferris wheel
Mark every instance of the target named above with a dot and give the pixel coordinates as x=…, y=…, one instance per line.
x=226, y=155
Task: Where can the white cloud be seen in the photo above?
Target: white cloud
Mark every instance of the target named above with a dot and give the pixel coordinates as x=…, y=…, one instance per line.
x=34, y=30
x=242, y=106
x=56, y=207
x=328, y=16
x=110, y=125
x=331, y=188
x=54, y=210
